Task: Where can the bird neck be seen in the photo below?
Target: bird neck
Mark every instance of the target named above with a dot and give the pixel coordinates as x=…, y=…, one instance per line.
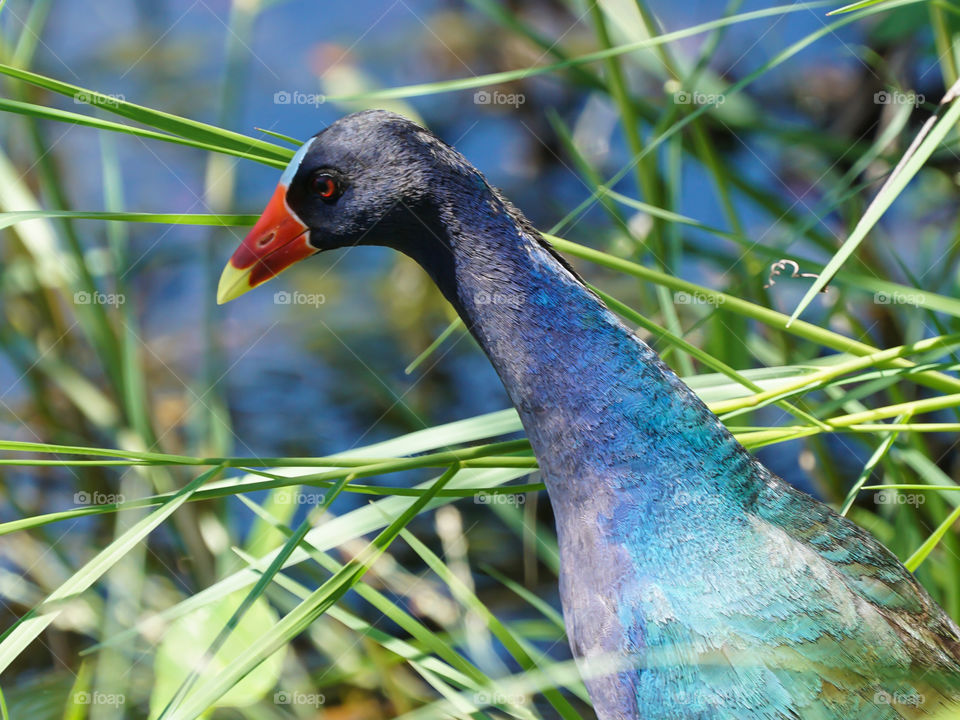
x=597, y=403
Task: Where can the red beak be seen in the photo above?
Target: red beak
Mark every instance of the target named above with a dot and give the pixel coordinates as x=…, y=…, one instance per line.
x=277, y=241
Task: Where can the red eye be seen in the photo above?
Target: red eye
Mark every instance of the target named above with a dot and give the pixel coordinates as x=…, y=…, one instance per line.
x=325, y=186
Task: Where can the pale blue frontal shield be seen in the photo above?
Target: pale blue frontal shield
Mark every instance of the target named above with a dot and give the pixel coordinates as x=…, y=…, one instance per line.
x=294, y=165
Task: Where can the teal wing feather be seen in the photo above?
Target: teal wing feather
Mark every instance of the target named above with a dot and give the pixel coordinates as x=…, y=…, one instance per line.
x=772, y=606
x=905, y=656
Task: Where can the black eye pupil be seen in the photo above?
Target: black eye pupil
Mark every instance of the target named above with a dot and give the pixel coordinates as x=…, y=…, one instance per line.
x=325, y=186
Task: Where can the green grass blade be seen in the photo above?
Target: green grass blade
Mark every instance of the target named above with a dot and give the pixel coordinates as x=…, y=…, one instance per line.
x=858, y=6
x=305, y=613
x=459, y=670
x=856, y=281
x=350, y=526
x=184, y=127
x=14, y=217
x=421, y=358
x=531, y=598
x=408, y=651
x=738, y=305
x=432, y=88
x=280, y=136
x=470, y=601
x=928, y=139
x=21, y=634
x=379, y=601
x=872, y=463
x=704, y=357
x=49, y=113
x=922, y=552
x=293, y=541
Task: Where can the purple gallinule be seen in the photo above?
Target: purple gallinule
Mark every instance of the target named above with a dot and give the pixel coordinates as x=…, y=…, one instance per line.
x=695, y=583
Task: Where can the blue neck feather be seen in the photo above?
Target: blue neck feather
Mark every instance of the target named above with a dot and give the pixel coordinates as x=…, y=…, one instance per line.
x=680, y=553
x=591, y=394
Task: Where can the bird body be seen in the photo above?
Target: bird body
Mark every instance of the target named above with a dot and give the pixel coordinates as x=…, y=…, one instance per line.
x=695, y=583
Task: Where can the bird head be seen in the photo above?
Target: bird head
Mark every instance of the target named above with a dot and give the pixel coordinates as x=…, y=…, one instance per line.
x=371, y=178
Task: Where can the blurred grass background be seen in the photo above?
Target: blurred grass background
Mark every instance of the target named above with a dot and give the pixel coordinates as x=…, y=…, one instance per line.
x=700, y=164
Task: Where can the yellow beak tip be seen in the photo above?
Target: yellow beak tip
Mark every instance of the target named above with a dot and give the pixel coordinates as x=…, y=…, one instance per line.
x=233, y=283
